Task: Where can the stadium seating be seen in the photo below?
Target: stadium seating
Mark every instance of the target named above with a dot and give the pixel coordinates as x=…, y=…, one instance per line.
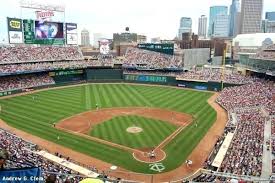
x=135, y=57
x=23, y=54
x=20, y=156
x=215, y=74
x=26, y=81
x=244, y=156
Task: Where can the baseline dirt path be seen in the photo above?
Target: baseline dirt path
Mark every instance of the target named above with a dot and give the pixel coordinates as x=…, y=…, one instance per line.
x=198, y=155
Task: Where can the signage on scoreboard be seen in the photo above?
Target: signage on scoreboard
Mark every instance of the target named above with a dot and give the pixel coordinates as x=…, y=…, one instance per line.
x=71, y=28
x=14, y=24
x=166, y=48
x=41, y=15
x=15, y=37
x=15, y=30
x=71, y=33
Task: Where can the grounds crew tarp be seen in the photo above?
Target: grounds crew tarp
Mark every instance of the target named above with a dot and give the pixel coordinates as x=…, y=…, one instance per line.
x=70, y=165
x=90, y=180
x=223, y=149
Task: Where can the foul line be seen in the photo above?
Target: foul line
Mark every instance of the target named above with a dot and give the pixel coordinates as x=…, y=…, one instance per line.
x=169, y=138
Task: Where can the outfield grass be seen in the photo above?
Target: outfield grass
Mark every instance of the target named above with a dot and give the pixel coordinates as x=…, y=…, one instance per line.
x=114, y=130
x=36, y=117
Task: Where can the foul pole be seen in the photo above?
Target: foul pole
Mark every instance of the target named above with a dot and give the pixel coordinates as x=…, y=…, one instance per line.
x=223, y=67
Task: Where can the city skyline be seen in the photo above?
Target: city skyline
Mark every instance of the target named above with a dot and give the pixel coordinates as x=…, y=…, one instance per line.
x=147, y=18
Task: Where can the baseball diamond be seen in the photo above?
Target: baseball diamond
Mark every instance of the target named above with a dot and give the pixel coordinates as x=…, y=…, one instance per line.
x=51, y=106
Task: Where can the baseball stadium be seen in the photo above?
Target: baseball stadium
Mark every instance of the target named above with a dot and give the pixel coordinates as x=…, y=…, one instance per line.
x=132, y=112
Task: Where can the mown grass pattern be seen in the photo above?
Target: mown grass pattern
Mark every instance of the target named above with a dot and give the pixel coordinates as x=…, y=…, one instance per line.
x=115, y=130
x=37, y=116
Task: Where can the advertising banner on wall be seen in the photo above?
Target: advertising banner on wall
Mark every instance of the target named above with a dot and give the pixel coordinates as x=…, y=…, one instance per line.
x=71, y=33
x=15, y=30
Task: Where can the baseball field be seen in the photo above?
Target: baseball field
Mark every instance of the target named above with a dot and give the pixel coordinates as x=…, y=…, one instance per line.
x=112, y=121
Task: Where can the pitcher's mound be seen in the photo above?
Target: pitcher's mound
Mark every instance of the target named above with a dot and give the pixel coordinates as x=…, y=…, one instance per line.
x=134, y=129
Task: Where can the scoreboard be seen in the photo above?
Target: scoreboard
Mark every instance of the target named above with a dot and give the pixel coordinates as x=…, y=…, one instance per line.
x=166, y=48
x=30, y=30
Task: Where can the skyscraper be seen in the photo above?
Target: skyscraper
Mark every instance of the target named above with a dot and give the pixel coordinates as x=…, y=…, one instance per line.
x=270, y=16
x=268, y=26
x=215, y=11
x=251, y=16
x=221, y=26
x=85, y=37
x=185, y=26
x=202, y=32
x=234, y=16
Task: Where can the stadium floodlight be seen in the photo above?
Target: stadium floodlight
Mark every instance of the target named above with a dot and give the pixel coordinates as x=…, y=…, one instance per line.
x=35, y=5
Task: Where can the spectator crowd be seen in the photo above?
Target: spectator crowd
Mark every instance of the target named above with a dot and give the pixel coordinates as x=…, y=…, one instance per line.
x=265, y=53
x=229, y=75
x=23, y=54
x=24, y=81
x=19, y=155
x=135, y=57
x=244, y=156
x=273, y=142
x=48, y=66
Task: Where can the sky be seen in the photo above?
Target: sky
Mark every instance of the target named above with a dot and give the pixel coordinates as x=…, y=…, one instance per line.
x=153, y=18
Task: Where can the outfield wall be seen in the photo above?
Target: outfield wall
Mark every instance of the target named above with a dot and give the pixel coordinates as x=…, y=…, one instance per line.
x=150, y=79
x=109, y=75
x=103, y=74
x=203, y=85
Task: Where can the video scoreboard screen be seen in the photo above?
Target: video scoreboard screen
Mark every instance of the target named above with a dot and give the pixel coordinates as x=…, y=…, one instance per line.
x=48, y=33
x=49, y=30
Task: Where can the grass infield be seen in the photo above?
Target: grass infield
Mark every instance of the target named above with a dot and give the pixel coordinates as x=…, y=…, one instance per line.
x=36, y=115
x=153, y=131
